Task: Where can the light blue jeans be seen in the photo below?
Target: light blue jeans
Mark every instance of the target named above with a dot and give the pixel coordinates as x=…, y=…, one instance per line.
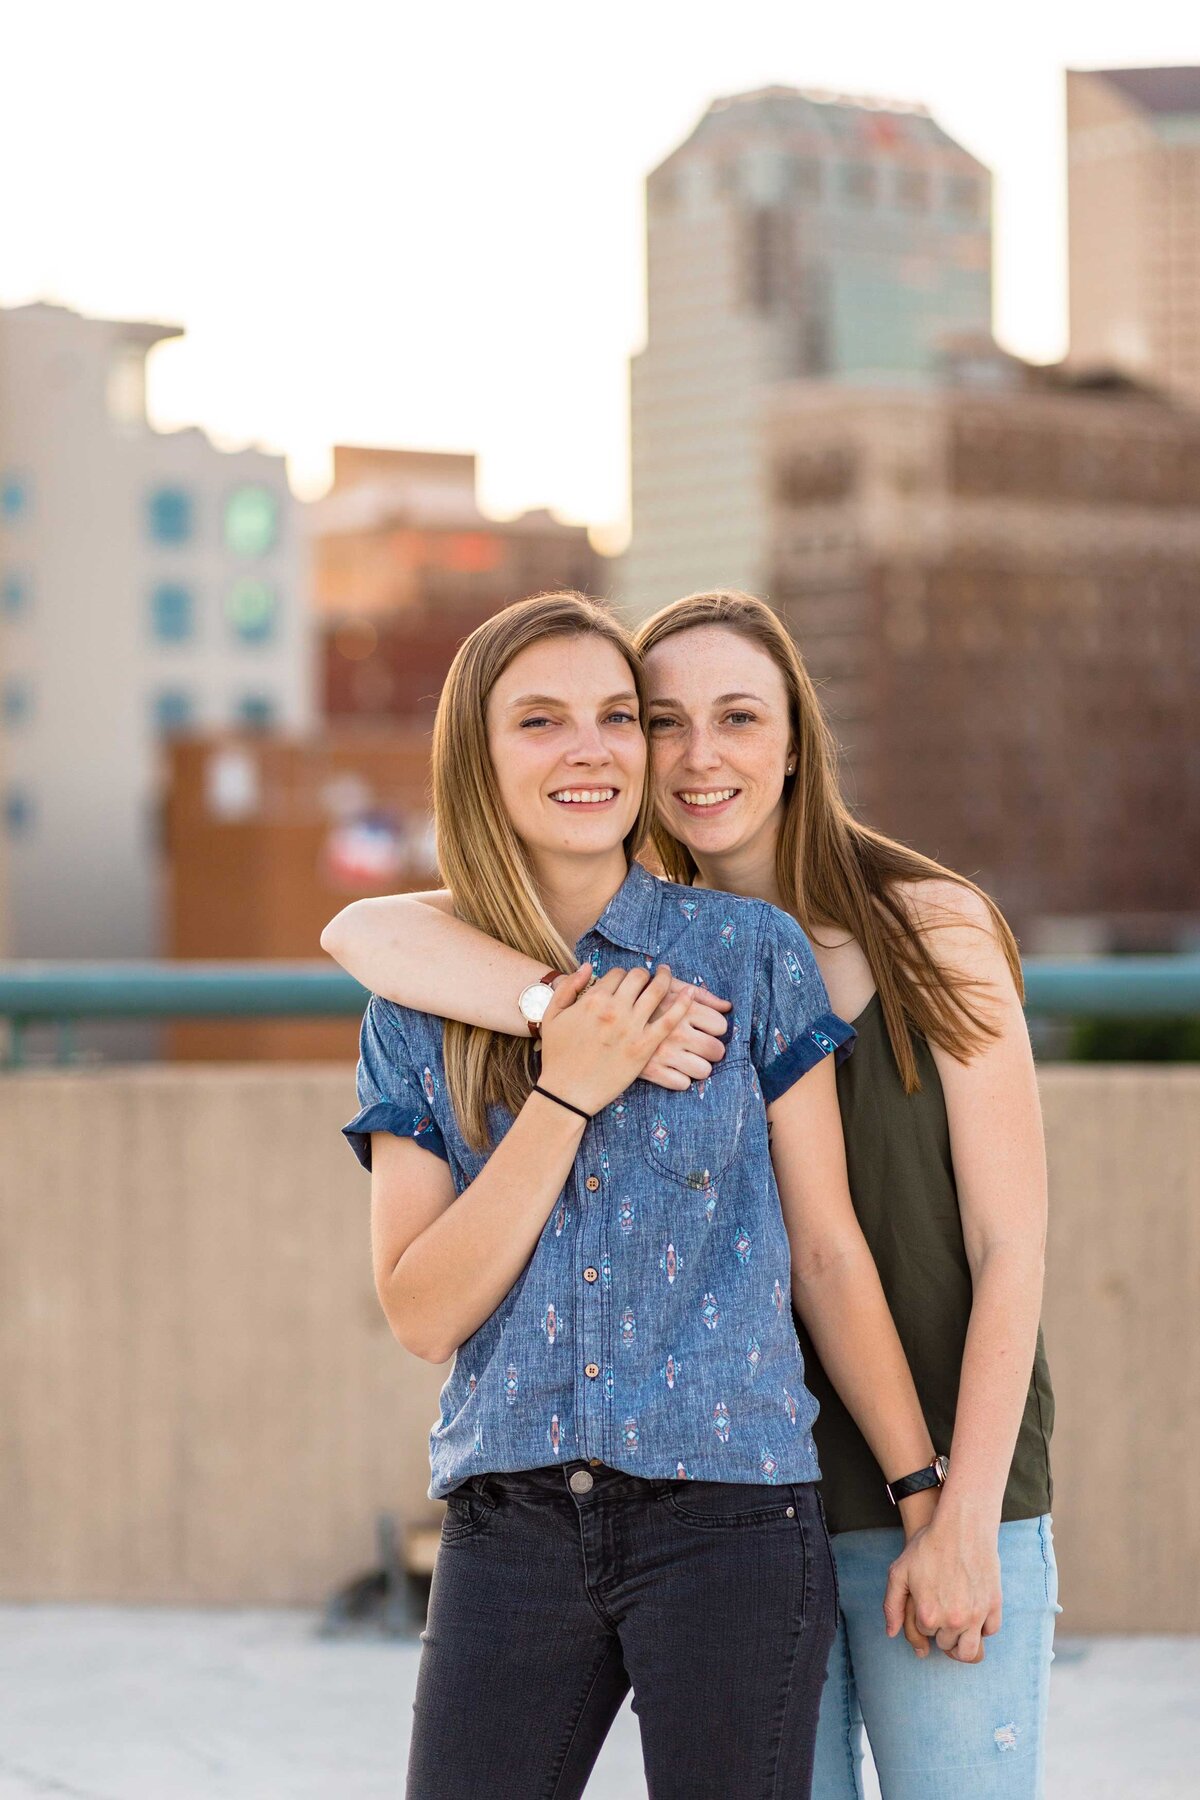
x=938, y=1729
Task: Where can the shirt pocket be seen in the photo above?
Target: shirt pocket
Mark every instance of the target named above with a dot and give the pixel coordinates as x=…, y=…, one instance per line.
x=692, y=1137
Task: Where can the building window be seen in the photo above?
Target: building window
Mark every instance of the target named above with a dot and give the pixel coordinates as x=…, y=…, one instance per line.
x=912, y=189
x=14, y=593
x=804, y=178
x=125, y=389
x=962, y=194
x=173, y=613
x=18, y=812
x=172, y=711
x=256, y=711
x=14, y=496
x=663, y=192
x=251, y=521
x=251, y=610
x=767, y=257
x=858, y=182
x=16, y=700
x=728, y=180
x=169, y=515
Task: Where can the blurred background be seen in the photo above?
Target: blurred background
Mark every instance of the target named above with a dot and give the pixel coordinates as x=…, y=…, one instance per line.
x=321, y=338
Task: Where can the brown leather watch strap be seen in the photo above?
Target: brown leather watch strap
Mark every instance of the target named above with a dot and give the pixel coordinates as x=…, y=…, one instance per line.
x=546, y=980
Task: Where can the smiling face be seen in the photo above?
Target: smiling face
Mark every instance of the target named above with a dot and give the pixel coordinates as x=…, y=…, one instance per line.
x=720, y=742
x=567, y=747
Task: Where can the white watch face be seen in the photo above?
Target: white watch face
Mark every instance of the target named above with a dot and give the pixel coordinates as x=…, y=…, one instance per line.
x=534, y=1000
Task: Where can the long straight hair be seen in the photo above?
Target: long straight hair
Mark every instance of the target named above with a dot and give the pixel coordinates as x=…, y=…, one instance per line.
x=482, y=861
x=832, y=869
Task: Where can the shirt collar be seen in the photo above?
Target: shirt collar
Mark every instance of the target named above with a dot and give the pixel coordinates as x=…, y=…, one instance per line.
x=630, y=920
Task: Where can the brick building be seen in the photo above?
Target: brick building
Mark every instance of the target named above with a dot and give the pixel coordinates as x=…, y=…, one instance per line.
x=406, y=565
x=996, y=583
x=265, y=839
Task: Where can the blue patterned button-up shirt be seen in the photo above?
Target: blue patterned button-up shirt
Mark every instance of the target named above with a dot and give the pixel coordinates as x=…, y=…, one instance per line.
x=651, y=1328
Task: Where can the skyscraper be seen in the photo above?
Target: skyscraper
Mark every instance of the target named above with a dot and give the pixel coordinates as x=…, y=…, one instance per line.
x=1133, y=146
x=792, y=235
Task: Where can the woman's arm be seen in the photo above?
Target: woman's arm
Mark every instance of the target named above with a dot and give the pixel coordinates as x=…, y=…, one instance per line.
x=1000, y=1170
x=410, y=948
x=835, y=1284
x=443, y=1265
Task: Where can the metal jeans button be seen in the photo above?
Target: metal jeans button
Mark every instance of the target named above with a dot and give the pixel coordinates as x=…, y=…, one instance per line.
x=580, y=1481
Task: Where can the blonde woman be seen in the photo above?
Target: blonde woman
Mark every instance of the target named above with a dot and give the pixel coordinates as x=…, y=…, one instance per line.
x=945, y=1155
x=624, y=1438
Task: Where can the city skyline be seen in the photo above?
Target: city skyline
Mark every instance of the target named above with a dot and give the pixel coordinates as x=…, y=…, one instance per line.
x=376, y=238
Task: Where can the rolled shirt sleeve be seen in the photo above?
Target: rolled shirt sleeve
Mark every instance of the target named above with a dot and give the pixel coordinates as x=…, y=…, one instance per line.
x=393, y=1093
x=793, y=1026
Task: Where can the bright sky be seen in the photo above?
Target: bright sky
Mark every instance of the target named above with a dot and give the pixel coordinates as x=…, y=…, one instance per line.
x=421, y=225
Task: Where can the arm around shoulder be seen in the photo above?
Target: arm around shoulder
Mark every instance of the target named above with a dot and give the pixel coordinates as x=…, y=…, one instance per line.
x=411, y=948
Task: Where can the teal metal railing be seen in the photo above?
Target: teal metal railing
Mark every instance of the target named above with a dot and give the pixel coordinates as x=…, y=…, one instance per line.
x=62, y=992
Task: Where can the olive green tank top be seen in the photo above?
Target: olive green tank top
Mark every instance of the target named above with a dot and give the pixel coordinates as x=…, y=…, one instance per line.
x=902, y=1180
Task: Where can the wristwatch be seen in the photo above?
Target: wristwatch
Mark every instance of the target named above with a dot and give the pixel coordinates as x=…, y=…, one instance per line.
x=932, y=1476
x=534, y=1000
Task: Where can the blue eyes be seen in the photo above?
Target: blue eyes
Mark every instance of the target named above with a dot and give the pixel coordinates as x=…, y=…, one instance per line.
x=620, y=717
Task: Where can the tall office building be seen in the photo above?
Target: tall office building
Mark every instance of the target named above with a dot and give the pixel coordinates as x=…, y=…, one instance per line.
x=791, y=235
x=1133, y=146
x=149, y=583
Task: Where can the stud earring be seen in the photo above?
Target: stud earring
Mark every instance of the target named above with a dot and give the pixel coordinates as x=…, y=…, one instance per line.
x=791, y=769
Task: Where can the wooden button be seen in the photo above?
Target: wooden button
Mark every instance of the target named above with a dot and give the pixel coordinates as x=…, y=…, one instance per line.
x=590, y=1274
x=592, y=1183
x=592, y=1370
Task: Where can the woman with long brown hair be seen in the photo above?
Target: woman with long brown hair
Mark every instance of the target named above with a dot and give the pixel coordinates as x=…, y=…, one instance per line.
x=623, y=1440
x=947, y=1170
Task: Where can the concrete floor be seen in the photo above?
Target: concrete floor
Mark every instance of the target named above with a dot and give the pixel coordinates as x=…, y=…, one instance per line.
x=99, y=1703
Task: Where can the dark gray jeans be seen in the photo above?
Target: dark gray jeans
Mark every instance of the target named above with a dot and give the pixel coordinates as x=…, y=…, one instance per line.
x=558, y=1589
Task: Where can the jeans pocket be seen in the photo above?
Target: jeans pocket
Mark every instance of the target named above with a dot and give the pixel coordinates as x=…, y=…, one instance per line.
x=468, y=1508
x=726, y=1505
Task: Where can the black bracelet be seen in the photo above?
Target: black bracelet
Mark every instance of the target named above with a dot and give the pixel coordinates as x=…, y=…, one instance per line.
x=547, y=1095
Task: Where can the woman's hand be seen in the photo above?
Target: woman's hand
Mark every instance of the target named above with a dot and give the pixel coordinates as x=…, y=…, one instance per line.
x=597, y=1037
x=945, y=1585
x=692, y=1048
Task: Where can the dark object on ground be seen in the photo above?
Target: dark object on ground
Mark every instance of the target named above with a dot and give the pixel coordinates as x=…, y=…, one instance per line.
x=389, y=1600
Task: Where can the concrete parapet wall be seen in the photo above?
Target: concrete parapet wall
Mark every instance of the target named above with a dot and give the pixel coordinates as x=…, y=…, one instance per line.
x=200, y=1399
